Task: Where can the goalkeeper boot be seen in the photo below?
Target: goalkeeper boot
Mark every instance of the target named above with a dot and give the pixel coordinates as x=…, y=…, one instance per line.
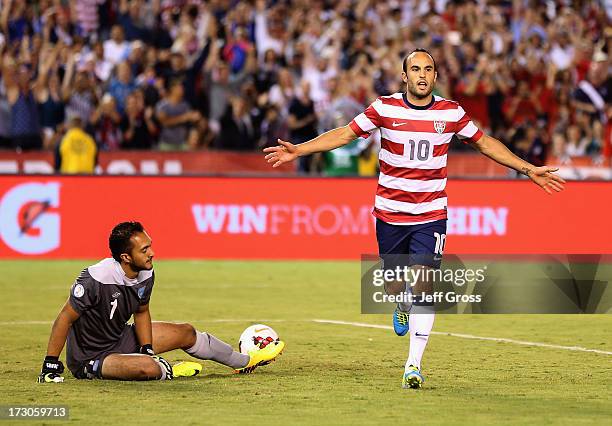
x=186, y=369
x=400, y=322
x=412, y=378
x=259, y=357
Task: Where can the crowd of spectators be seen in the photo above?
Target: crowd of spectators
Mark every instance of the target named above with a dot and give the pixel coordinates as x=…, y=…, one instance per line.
x=237, y=75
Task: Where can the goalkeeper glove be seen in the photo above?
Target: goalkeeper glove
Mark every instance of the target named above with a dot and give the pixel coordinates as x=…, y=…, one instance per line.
x=147, y=349
x=167, y=373
x=51, y=371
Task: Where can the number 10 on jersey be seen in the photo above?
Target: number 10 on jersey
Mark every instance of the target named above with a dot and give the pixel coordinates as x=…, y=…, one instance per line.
x=420, y=149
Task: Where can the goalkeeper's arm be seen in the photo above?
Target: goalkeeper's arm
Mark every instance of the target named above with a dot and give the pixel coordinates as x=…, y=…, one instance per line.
x=52, y=367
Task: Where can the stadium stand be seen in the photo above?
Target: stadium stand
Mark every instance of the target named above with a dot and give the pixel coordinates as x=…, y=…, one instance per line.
x=178, y=75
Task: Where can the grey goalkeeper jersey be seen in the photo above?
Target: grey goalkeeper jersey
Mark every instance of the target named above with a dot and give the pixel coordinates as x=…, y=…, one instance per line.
x=105, y=299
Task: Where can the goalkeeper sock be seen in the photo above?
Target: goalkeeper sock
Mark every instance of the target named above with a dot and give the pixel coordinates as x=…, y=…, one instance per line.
x=420, y=327
x=164, y=367
x=208, y=346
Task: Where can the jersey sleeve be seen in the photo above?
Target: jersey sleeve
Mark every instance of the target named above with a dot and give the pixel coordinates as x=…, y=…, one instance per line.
x=148, y=289
x=466, y=130
x=367, y=121
x=84, y=293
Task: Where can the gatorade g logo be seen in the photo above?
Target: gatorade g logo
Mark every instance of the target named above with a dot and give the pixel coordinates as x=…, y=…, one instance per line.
x=26, y=225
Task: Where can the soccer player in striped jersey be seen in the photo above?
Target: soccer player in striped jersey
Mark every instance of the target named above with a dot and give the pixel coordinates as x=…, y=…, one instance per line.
x=410, y=203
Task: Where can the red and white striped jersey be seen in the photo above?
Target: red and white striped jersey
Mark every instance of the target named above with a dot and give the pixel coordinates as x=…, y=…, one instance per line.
x=414, y=146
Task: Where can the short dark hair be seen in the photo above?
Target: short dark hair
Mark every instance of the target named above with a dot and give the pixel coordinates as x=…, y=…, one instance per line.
x=419, y=49
x=119, y=240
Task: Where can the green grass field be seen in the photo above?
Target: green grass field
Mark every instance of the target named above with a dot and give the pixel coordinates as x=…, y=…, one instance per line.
x=329, y=373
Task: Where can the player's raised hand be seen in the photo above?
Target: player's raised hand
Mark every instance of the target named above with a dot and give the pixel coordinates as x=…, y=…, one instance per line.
x=544, y=177
x=283, y=153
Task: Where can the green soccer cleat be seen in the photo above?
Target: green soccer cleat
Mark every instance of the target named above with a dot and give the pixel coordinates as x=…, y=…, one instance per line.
x=186, y=369
x=259, y=357
x=412, y=378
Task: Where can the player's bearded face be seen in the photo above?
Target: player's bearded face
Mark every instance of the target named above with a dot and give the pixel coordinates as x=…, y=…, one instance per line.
x=420, y=85
x=420, y=76
x=420, y=88
x=141, y=257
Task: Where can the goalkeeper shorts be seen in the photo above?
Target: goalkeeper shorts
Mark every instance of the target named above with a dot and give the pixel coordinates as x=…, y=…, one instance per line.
x=92, y=368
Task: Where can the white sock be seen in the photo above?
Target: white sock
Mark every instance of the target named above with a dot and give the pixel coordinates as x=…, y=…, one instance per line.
x=420, y=327
x=405, y=306
x=165, y=368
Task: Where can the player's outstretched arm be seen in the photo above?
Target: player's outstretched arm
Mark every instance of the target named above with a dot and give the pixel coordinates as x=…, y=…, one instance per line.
x=52, y=367
x=542, y=176
x=286, y=151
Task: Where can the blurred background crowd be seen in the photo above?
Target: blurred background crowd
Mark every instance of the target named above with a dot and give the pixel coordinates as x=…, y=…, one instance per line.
x=237, y=75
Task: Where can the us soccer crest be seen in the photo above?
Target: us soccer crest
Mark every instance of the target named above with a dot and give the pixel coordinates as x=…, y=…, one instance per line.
x=440, y=126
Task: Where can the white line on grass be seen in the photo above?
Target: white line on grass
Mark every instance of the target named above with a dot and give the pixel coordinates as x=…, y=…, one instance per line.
x=258, y=320
x=470, y=336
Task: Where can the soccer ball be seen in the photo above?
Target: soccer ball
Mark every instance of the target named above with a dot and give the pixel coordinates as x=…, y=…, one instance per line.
x=256, y=336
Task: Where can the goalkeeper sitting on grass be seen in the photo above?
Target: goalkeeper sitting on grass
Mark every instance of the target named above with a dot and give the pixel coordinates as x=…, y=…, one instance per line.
x=100, y=342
